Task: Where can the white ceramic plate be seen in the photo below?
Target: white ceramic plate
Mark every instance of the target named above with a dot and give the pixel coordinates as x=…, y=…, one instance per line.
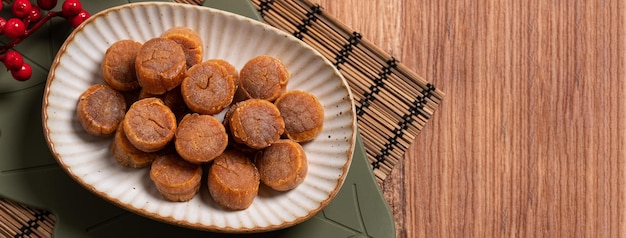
x=87, y=159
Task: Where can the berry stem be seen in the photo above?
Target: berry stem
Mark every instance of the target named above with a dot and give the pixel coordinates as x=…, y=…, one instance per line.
x=30, y=31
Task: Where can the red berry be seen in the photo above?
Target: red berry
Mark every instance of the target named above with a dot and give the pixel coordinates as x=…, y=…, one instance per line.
x=13, y=60
x=33, y=16
x=21, y=8
x=75, y=21
x=46, y=4
x=23, y=73
x=15, y=28
x=71, y=8
x=3, y=23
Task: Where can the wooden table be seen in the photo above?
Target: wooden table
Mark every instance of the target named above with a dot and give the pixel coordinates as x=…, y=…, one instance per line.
x=529, y=140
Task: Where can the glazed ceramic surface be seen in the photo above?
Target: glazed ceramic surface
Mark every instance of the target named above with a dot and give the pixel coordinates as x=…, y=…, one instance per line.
x=88, y=160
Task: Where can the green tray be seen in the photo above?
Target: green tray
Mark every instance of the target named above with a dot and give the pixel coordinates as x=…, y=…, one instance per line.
x=29, y=174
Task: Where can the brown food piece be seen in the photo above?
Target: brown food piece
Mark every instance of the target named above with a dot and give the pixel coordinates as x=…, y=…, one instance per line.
x=256, y=123
x=100, y=109
x=160, y=65
x=189, y=40
x=118, y=65
x=200, y=138
x=231, y=141
x=303, y=115
x=229, y=113
x=127, y=154
x=149, y=124
x=207, y=89
x=230, y=69
x=172, y=99
x=283, y=165
x=243, y=148
x=145, y=94
x=176, y=179
x=263, y=77
x=233, y=180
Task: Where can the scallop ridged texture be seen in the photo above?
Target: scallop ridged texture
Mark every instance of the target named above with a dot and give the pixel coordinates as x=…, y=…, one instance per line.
x=226, y=36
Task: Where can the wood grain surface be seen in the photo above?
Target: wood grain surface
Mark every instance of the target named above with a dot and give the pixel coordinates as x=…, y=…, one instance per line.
x=529, y=141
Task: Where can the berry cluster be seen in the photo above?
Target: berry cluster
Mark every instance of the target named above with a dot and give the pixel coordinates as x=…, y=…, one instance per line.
x=27, y=19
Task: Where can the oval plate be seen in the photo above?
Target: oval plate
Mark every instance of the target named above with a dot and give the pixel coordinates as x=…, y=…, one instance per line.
x=87, y=159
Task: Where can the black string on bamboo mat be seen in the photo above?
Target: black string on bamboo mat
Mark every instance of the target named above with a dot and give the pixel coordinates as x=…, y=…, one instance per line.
x=416, y=109
x=346, y=49
x=27, y=227
x=265, y=6
x=24, y=221
x=374, y=89
x=311, y=17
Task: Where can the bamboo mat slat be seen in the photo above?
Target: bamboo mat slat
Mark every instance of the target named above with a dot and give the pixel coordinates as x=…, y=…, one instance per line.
x=17, y=220
x=393, y=103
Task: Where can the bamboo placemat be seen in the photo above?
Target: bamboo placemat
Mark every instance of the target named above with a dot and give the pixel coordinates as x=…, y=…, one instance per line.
x=393, y=103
